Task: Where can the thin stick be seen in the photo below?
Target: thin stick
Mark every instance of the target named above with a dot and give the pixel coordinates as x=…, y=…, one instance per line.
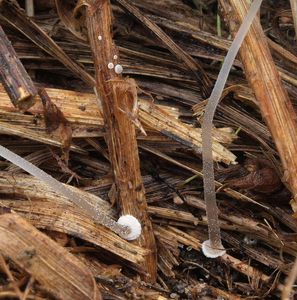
x=289, y=282
x=294, y=13
x=17, y=18
x=28, y=288
x=15, y=78
x=10, y=277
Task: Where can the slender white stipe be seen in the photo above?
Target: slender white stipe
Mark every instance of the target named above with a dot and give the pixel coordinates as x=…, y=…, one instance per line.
x=128, y=227
x=213, y=247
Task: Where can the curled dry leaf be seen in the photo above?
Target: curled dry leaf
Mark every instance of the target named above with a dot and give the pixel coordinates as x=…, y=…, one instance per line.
x=55, y=121
x=262, y=178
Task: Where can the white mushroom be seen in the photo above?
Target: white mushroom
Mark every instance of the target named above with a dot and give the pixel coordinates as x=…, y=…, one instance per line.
x=118, y=69
x=110, y=66
x=133, y=224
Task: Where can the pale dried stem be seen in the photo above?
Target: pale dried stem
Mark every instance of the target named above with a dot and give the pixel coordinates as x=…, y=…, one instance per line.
x=118, y=95
x=286, y=292
x=263, y=77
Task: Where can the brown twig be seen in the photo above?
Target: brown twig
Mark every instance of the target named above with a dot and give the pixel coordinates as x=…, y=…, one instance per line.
x=118, y=95
x=15, y=78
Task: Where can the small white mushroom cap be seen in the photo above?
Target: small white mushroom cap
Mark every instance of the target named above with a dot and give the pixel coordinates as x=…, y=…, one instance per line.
x=110, y=65
x=133, y=224
x=211, y=252
x=118, y=69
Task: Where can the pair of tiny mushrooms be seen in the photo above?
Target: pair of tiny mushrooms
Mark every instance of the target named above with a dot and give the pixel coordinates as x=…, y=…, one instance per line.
x=127, y=226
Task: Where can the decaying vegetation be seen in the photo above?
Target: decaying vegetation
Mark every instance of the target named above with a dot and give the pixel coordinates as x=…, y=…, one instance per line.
x=116, y=115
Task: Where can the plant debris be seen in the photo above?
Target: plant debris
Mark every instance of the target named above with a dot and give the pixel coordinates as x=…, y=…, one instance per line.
x=133, y=145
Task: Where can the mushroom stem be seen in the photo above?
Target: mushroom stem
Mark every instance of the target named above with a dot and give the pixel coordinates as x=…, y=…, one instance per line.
x=213, y=247
x=129, y=230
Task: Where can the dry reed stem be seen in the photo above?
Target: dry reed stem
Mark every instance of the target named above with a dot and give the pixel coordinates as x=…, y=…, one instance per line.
x=15, y=78
x=60, y=272
x=119, y=96
x=289, y=282
x=264, y=79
